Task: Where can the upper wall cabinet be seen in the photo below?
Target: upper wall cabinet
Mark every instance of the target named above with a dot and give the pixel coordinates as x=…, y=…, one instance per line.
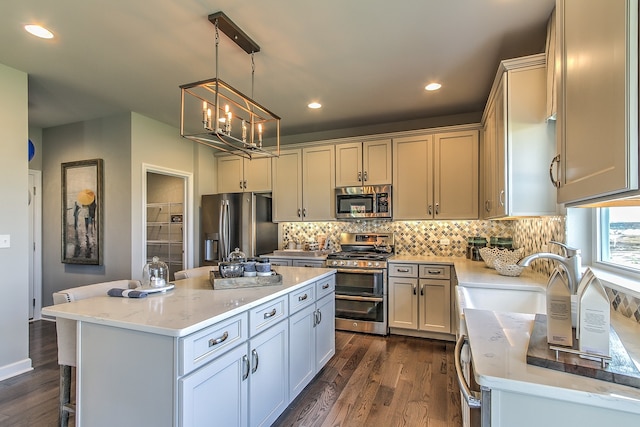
x=363, y=163
x=237, y=174
x=518, y=143
x=597, y=99
x=436, y=176
x=304, y=184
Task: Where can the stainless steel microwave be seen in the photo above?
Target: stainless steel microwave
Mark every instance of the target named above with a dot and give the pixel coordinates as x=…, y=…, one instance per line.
x=368, y=202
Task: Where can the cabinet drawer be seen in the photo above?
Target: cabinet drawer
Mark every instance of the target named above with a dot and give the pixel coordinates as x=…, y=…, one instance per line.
x=305, y=263
x=280, y=262
x=434, y=271
x=403, y=270
x=301, y=298
x=199, y=348
x=325, y=286
x=268, y=314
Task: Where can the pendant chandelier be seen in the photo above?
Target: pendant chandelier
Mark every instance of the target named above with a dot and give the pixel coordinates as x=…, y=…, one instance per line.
x=217, y=115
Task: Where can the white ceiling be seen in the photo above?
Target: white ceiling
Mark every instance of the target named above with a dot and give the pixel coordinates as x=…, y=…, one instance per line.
x=366, y=61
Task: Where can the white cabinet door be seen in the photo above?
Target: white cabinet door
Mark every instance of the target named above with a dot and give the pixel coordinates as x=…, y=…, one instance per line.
x=325, y=330
x=403, y=302
x=412, y=178
x=216, y=394
x=598, y=122
x=435, y=305
x=257, y=174
x=269, y=378
x=349, y=165
x=287, y=186
x=302, y=355
x=455, y=194
x=376, y=162
x=318, y=183
x=230, y=174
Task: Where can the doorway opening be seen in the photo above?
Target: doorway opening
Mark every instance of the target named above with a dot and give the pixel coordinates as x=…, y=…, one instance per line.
x=167, y=218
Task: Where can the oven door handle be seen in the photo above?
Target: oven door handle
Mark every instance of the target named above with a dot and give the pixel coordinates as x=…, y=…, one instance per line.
x=472, y=397
x=358, y=298
x=367, y=271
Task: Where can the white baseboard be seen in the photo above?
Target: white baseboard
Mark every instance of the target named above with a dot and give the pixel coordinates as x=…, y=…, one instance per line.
x=17, y=368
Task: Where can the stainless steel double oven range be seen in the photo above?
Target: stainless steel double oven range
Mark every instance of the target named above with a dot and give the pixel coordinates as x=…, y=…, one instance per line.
x=361, y=281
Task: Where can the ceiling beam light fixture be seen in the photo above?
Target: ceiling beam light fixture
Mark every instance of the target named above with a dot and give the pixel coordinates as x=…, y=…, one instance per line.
x=215, y=114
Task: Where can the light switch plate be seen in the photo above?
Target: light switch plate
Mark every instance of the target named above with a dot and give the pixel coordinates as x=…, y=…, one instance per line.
x=5, y=240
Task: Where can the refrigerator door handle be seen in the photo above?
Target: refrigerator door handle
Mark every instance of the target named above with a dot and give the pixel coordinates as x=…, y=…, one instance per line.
x=224, y=230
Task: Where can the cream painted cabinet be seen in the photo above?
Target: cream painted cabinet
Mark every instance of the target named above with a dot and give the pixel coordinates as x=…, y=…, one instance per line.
x=518, y=142
x=304, y=184
x=420, y=297
x=436, y=176
x=597, y=98
x=236, y=174
x=363, y=163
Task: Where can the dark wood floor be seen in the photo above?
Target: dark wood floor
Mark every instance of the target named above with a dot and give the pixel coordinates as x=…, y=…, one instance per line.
x=371, y=381
x=376, y=381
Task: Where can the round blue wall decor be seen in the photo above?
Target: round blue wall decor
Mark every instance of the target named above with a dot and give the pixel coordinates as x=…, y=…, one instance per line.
x=32, y=150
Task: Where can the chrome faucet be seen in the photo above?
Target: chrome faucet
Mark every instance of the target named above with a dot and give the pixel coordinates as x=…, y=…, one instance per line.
x=571, y=261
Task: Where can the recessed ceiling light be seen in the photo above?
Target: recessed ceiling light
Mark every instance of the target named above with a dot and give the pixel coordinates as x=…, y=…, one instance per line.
x=314, y=105
x=39, y=31
x=433, y=86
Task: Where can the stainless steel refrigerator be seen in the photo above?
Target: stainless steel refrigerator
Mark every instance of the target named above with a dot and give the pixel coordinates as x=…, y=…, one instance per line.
x=236, y=220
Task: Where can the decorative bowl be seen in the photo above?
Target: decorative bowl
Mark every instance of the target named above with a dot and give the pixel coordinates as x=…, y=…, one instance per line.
x=231, y=269
x=507, y=269
x=490, y=255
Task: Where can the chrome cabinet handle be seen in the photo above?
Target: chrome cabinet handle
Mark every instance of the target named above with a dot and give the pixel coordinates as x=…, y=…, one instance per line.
x=244, y=184
x=255, y=360
x=299, y=213
x=366, y=176
x=319, y=317
x=501, y=198
x=430, y=210
x=217, y=341
x=437, y=208
x=359, y=176
x=487, y=205
x=246, y=367
x=422, y=290
x=403, y=270
x=325, y=286
x=241, y=185
x=304, y=212
x=303, y=297
x=472, y=397
x=415, y=290
x=433, y=271
x=555, y=182
x=270, y=314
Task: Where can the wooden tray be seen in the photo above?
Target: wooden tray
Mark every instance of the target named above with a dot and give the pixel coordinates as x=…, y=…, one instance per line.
x=620, y=370
x=219, y=282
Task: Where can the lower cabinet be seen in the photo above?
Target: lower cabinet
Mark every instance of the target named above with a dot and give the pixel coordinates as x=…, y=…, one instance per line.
x=420, y=297
x=246, y=386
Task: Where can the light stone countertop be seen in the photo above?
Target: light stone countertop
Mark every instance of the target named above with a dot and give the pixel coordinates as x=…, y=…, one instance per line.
x=499, y=344
x=192, y=305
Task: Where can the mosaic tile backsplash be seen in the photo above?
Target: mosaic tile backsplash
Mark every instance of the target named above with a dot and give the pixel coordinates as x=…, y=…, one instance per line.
x=423, y=238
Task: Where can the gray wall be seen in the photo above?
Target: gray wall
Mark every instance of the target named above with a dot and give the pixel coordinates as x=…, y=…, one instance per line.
x=109, y=139
x=14, y=213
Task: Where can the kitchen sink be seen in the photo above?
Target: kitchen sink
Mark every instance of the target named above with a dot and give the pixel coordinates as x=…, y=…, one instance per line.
x=514, y=300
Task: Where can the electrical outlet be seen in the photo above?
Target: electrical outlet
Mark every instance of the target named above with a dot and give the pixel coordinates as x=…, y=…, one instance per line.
x=5, y=241
x=444, y=242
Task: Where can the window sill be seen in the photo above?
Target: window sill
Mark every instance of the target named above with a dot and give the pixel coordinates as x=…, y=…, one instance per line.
x=627, y=284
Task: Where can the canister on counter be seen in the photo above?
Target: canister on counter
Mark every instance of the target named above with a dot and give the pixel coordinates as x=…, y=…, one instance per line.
x=473, y=247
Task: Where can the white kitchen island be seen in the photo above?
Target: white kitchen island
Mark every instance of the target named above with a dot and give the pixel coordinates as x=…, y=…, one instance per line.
x=525, y=395
x=198, y=356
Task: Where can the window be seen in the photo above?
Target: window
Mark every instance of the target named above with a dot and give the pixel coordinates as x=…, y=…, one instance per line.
x=619, y=237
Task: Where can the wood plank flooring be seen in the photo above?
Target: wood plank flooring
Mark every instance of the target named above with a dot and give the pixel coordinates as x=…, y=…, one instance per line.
x=371, y=381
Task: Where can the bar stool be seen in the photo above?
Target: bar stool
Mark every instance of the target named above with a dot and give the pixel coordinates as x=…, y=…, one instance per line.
x=66, y=334
x=194, y=272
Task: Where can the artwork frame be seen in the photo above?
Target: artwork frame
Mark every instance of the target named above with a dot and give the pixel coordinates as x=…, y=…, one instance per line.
x=82, y=205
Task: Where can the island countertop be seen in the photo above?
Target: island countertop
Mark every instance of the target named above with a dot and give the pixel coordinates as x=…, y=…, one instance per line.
x=499, y=344
x=192, y=305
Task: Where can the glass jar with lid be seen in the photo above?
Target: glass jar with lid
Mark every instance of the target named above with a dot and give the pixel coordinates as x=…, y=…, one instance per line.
x=155, y=274
x=474, y=244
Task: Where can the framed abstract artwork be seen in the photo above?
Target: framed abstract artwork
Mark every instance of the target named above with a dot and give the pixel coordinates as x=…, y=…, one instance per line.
x=82, y=201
